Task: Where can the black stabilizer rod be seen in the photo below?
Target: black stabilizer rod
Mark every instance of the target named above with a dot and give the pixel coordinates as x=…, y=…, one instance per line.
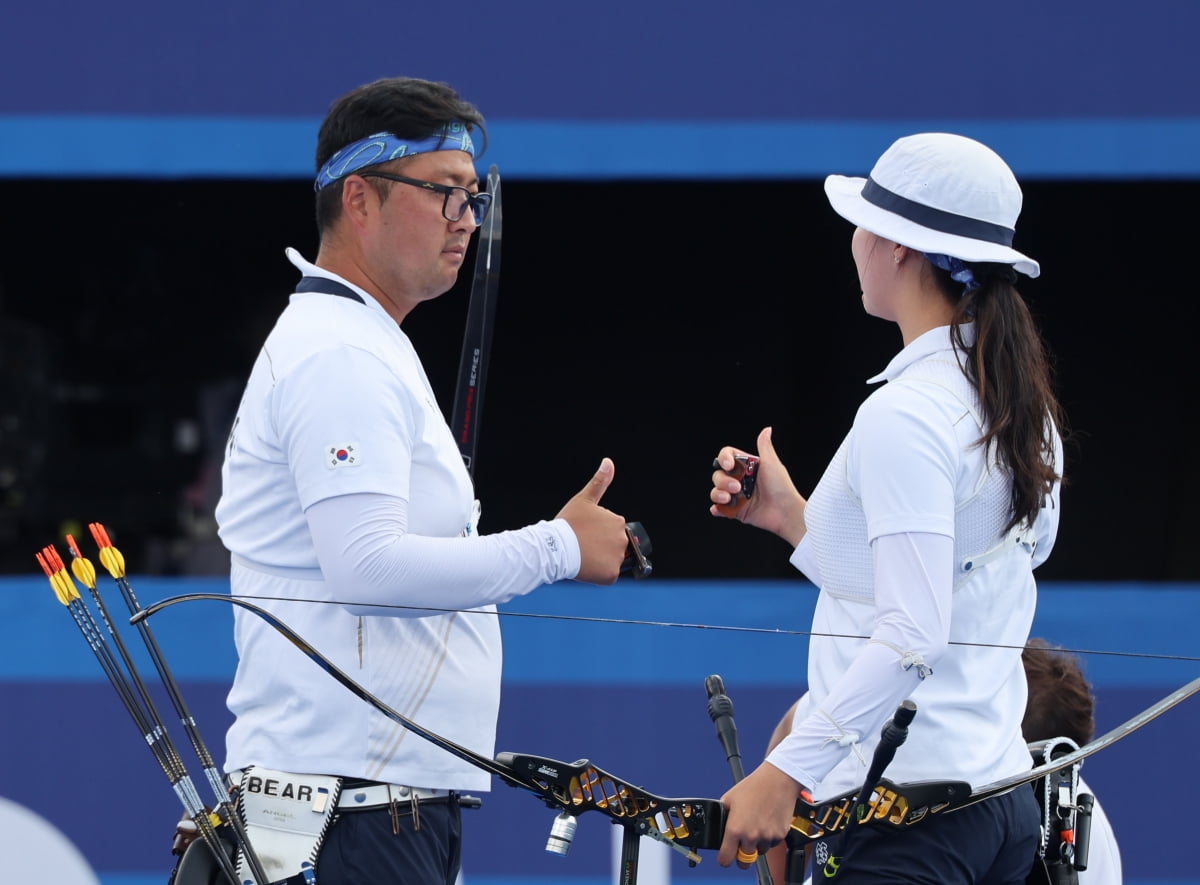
x=894, y=733
x=1083, y=829
x=720, y=711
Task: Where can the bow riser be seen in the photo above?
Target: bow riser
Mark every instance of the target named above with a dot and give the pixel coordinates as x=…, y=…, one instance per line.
x=897, y=805
x=580, y=786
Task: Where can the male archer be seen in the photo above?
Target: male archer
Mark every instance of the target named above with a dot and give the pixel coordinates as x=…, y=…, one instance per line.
x=343, y=484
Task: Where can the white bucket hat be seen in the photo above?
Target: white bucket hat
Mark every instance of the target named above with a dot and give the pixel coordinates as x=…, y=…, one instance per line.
x=938, y=193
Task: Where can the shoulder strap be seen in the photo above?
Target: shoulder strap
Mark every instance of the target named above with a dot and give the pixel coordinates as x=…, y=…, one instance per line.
x=328, y=287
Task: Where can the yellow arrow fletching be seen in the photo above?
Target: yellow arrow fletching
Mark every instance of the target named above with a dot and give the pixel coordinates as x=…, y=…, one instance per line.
x=80, y=567
x=119, y=558
x=64, y=587
x=59, y=591
x=110, y=556
x=41, y=559
x=112, y=560
x=84, y=571
x=71, y=589
x=52, y=565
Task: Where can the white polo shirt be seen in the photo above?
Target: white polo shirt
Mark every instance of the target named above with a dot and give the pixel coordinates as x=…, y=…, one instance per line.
x=905, y=540
x=338, y=404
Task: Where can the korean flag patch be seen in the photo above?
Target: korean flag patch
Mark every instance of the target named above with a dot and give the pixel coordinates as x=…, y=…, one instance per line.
x=344, y=455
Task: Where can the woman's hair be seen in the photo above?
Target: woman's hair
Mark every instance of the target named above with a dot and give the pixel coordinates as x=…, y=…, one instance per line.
x=1060, y=700
x=1010, y=371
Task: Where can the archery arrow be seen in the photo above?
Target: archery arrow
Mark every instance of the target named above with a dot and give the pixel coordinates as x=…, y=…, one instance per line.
x=145, y=717
x=114, y=562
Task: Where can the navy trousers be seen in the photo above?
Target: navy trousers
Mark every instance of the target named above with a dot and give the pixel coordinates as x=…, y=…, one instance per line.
x=373, y=846
x=992, y=843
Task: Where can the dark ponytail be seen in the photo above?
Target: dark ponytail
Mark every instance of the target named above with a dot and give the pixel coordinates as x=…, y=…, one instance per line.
x=1010, y=371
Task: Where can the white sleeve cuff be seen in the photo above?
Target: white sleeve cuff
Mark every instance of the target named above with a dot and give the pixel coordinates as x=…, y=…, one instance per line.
x=568, y=560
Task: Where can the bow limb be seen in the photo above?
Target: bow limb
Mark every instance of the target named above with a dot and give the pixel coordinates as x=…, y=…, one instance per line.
x=477, y=336
x=901, y=805
x=1107, y=739
x=501, y=771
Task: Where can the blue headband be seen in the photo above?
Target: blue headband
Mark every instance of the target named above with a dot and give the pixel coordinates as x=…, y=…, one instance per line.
x=383, y=146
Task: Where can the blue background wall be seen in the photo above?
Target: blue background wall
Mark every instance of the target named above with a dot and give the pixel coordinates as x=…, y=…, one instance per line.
x=767, y=88
x=628, y=696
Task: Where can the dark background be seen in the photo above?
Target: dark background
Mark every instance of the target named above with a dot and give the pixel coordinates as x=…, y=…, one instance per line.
x=648, y=321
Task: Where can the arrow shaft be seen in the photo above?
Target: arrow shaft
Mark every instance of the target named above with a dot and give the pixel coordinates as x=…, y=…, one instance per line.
x=131, y=690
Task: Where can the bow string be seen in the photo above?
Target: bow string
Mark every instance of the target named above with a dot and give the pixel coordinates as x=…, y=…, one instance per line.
x=697, y=824
x=686, y=625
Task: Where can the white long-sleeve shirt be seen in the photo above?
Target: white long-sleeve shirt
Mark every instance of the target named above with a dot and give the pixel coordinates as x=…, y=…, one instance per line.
x=905, y=539
x=344, y=494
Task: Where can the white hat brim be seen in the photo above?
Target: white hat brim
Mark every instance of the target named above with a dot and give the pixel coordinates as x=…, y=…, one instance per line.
x=845, y=196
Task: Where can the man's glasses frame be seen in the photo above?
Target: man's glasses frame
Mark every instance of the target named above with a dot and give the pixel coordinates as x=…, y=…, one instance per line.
x=479, y=203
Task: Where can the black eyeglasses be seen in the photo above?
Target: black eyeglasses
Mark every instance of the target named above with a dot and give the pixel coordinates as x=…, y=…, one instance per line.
x=456, y=201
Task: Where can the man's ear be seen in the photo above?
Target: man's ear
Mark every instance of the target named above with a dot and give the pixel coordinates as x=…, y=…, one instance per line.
x=358, y=199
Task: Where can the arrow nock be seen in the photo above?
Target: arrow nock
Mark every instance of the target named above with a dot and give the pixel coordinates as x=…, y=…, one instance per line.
x=110, y=556
x=52, y=565
x=81, y=567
